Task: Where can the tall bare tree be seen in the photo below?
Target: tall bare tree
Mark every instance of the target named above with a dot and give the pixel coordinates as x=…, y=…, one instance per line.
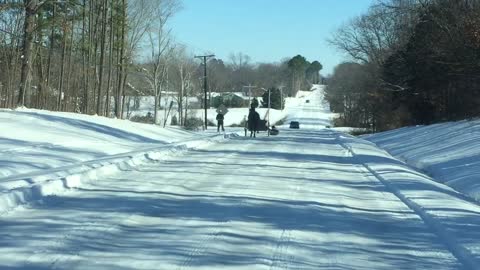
x=182, y=79
x=31, y=9
x=161, y=47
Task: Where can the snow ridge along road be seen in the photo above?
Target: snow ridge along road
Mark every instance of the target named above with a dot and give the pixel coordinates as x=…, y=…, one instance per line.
x=24, y=188
x=470, y=259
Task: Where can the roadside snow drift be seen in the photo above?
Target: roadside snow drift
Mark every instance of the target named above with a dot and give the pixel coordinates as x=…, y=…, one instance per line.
x=43, y=153
x=449, y=152
x=32, y=140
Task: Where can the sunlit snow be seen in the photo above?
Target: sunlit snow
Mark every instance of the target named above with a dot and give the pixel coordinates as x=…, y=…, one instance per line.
x=308, y=198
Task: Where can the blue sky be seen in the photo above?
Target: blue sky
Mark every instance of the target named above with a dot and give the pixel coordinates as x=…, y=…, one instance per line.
x=266, y=30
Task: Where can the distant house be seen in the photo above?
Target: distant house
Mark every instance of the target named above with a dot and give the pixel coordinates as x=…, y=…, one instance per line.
x=241, y=95
x=230, y=99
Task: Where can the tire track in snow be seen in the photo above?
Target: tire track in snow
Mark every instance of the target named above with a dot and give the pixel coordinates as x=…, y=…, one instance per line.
x=55, y=251
x=360, y=168
x=22, y=149
x=214, y=232
x=86, y=230
x=386, y=196
x=461, y=253
x=280, y=258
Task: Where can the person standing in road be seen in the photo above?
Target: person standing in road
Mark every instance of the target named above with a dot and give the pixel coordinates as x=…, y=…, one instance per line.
x=220, y=122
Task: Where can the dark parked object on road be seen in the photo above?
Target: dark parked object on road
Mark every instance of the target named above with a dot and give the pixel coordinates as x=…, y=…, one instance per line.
x=294, y=124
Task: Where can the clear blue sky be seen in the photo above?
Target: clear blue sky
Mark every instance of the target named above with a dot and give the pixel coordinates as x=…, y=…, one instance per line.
x=266, y=30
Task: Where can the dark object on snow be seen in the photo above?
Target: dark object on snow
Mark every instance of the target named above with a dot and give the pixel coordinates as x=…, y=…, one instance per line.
x=295, y=124
x=262, y=125
x=253, y=122
x=307, y=101
x=220, y=122
x=274, y=131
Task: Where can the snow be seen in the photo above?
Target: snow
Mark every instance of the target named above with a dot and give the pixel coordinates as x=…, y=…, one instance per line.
x=235, y=116
x=312, y=198
x=449, y=152
x=45, y=152
x=66, y=138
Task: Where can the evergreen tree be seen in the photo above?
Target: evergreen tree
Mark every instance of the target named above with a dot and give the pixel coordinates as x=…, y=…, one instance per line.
x=276, y=101
x=313, y=72
x=297, y=66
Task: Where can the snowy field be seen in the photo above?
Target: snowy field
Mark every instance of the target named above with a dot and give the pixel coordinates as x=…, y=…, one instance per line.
x=449, y=152
x=312, y=198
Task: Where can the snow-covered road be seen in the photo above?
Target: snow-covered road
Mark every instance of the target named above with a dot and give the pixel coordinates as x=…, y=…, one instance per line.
x=306, y=199
x=297, y=201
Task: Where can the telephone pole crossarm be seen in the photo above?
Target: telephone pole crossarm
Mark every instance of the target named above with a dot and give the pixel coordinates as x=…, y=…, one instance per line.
x=249, y=87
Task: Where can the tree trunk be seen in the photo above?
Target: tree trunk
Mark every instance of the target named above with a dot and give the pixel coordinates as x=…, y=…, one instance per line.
x=124, y=80
x=155, y=109
x=50, y=54
x=110, y=61
x=62, y=68
x=69, y=87
x=102, y=58
x=84, y=58
x=31, y=7
x=121, y=86
x=182, y=93
x=95, y=50
x=42, y=81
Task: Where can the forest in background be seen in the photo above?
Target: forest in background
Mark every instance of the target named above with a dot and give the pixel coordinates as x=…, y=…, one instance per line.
x=90, y=56
x=412, y=62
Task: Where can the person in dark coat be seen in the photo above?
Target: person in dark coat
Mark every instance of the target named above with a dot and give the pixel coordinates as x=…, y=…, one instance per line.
x=253, y=119
x=220, y=122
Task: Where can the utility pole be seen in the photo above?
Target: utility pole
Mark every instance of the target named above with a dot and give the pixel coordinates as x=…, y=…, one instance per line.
x=204, y=57
x=249, y=86
x=281, y=96
x=268, y=123
x=268, y=110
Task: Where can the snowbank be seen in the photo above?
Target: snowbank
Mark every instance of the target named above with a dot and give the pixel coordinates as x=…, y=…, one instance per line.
x=32, y=140
x=44, y=152
x=433, y=202
x=26, y=188
x=449, y=152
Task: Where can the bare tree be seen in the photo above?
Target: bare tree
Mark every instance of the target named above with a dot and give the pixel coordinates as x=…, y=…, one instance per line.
x=184, y=69
x=372, y=37
x=11, y=22
x=160, y=45
x=239, y=60
x=31, y=8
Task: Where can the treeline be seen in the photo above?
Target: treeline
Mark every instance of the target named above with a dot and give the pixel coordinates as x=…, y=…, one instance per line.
x=289, y=75
x=78, y=55
x=93, y=56
x=415, y=62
